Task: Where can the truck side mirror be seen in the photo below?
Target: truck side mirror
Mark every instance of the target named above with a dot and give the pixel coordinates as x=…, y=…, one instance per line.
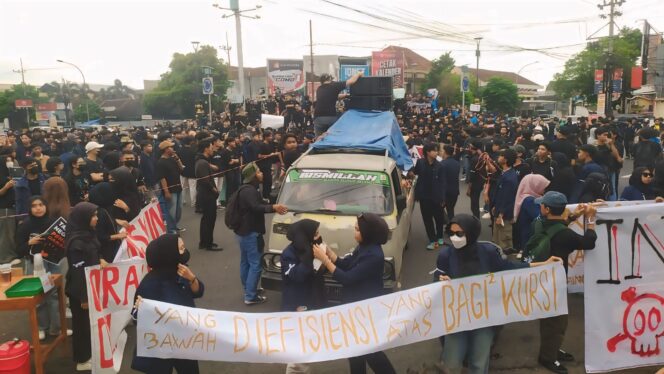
x=401, y=205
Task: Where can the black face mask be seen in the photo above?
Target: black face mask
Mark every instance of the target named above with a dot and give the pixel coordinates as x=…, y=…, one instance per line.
x=184, y=257
x=130, y=164
x=318, y=241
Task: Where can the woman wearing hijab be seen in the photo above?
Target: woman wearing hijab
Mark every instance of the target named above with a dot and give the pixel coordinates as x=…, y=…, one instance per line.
x=361, y=274
x=170, y=281
x=108, y=228
x=82, y=248
x=640, y=185
x=128, y=200
x=464, y=258
x=300, y=281
x=595, y=187
x=30, y=243
x=525, y=210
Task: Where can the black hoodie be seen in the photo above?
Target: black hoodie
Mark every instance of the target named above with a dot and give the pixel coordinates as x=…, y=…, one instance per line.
x=126, y=190
x=30, y=225
x=82, y=248
x=301, y=285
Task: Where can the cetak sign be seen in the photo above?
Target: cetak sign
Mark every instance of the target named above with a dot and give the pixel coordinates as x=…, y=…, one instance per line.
x=401, y=318
x=389, y=64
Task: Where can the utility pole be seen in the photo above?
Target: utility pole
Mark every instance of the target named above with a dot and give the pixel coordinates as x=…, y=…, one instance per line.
x=608, y=68
x=83, y=88
x=227, y=49
x=477, y=66
x=22, y=71
x=237, y=13
x=311, y=57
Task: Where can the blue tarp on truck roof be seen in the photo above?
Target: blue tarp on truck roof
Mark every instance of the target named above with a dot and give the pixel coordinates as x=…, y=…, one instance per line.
x=368, y=130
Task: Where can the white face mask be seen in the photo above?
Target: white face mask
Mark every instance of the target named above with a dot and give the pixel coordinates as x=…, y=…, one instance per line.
x=458, y=242
x=10, y=164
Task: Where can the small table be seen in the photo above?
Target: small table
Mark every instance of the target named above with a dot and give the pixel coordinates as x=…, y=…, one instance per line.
x=41, y=351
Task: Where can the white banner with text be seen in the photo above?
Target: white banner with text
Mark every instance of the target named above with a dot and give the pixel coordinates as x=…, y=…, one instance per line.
x=400, y=318
x=624, y=289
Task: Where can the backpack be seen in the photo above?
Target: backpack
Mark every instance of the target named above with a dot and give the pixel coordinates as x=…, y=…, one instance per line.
x=233, y=215
x=538, y=247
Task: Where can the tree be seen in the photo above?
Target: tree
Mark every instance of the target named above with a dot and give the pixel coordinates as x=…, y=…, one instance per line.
x=439, y=67
x=578, y=76
x=8, y=98
x=81, y=112
x=180, y=88
x=501, y=95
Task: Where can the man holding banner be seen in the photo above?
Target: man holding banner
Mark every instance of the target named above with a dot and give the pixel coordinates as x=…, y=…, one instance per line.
x=562, y=242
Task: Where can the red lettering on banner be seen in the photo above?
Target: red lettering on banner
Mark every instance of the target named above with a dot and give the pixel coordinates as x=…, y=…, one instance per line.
x=94, y=283
x=104, y=329
x=111, y=277
x=131, y=280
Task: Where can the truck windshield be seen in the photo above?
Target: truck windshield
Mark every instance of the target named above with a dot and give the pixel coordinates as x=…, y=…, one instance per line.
x=345, y=192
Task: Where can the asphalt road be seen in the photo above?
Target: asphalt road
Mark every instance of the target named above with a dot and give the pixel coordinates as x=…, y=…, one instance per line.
x=517, y=346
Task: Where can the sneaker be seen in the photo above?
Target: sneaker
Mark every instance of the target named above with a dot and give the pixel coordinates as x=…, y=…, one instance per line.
x=564, y=356
x=440, y=242
x=554, y=366
x=463, y=179
x=260, y=290
x=486, y=215
x=42, y=334
x=256, y=300
x=211, y=248
x=432, y=246
x=84, y=366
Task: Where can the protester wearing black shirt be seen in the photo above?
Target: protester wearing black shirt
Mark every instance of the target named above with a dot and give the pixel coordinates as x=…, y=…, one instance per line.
x=542, y=163
x=266, y=158
x=563, y=144
x=207, y=195
x=168, y=177
x=325, y=108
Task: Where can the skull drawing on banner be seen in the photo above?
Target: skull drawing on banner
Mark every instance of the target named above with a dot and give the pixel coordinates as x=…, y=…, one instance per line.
x=642, y=323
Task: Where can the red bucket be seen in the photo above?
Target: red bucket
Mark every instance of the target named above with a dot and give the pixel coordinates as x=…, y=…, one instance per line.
x=15, y=357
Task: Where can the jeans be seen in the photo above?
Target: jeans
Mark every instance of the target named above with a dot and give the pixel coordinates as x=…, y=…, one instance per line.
x=613, y=184
x=474, y=346
x=7, y=233
x=171, y=210
x=48, y=312
x=251, y=246
x=322, y=124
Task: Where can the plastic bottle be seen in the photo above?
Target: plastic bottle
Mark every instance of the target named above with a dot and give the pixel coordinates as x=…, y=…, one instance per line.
x=38, y=265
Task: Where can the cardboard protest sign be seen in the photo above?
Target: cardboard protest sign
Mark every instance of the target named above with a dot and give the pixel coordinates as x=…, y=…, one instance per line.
x=405, y=317
x=111, y=292
x=147, y=226
x=624, y=289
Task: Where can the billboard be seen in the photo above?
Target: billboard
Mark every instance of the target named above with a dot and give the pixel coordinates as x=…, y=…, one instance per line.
x=347, y=71
x=284, y=76
x=389, y=64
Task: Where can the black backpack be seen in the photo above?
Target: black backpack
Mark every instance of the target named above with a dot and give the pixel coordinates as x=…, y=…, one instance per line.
x=232, y=215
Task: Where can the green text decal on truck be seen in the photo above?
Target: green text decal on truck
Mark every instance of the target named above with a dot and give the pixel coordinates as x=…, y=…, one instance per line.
x=339, y=176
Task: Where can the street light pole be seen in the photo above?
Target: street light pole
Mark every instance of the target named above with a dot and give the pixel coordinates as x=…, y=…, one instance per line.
x=84, y=89
x=516, y=80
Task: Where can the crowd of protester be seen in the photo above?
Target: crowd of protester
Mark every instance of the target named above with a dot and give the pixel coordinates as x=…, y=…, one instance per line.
x=517, y=170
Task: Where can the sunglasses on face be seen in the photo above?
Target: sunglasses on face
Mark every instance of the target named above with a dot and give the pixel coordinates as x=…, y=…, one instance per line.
x=647, y=175
x=460, y=234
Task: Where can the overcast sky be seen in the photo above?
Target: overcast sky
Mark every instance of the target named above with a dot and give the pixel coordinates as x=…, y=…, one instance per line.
x=134, y=40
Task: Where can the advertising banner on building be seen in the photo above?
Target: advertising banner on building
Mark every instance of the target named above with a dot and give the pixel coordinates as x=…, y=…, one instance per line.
x=599, y=81
x=347, y=71
x=624, y=289
x=285, y=76
x=389, y=64
x=405, y=317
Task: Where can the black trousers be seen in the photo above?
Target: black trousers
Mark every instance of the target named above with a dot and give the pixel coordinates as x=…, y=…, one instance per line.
x=80, y=325
x=552, y=334
x=267, y=182
x=208, y=206
x=432, y=213
x=450, y=203
x=475, y=193
x=378, y=362
x=232, y=180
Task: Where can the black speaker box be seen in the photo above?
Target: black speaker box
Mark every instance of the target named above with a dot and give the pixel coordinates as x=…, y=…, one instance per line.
x=382, y=103
x=372, y=86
